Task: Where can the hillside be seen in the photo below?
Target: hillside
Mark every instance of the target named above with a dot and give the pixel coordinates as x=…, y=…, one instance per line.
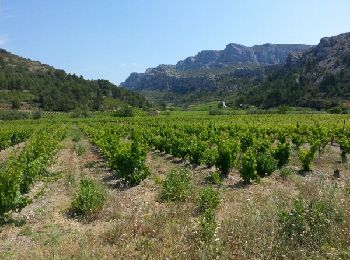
x=28, y=84
x=318, y=77
x=210, y=74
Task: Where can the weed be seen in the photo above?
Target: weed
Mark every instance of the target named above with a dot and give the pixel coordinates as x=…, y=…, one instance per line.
x=309, y=224
x=214, y=178
x=89, y=199
x=208, y=199
x=176, y=186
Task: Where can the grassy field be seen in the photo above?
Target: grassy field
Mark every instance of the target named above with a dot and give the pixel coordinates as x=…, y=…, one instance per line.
x=80, y=207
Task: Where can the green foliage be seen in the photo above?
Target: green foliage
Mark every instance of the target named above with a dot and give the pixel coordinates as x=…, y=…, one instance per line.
x=196, y=151
x=19, y=173
x=56, y=90
x=89, y=199
x=129, y=162
x=266, y=164
x=248, y=168
x=210, y=156
x=226, y=156
x=125, y=111
x=208, y=199
x=208, y=225
x=309, y=224
x=15, y=104
x=13, y=115
x=176, y=186
x=79, y=149
x=285, y=172
x=306, y=156
x=216, y=112
x=214, y=178
x=37, y=115
x=344, y=144
x=282, y=154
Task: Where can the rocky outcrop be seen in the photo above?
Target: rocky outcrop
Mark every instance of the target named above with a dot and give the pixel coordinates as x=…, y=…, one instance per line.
x=236, y=54
x=202, y=72
x=331, y=55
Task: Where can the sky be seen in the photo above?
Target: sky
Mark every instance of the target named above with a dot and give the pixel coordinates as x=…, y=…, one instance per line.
x=109, y=39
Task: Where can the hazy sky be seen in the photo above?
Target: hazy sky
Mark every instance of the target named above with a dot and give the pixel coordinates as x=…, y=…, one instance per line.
x=111, y=38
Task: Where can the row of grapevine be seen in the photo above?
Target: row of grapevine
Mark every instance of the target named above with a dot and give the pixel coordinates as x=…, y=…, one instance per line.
x=254, y=148
x=125, y=152
x=18, y=173
x=12, y=136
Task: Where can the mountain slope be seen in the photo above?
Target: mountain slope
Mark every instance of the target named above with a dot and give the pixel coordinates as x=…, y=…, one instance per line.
x=318, y=77
x=210, y=73
x=28, y=82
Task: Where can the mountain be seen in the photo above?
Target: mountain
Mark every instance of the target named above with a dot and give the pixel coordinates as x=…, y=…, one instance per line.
x=28, y=84
x=318, y=77
x=210, y=74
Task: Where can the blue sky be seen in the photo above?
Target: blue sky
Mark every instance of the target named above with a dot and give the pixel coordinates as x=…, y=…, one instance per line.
x=111, y=38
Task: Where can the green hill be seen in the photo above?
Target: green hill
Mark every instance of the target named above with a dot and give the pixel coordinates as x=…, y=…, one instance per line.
x=28, y=84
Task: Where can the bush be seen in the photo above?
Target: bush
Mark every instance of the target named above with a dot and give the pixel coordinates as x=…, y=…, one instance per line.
x=266, y=164
x=208, y=199
x=208, y=224
x=225, y=159
x=176, y=186
x=214, y=178
x=306, y=156
x=196, y=151
x=37, y=115
x=248, y=167
x=216, y=112
x=124, y=112
x=129, y=162
x=210, y=156
x=89, y=199
x=13, y=115
x=282, y=154
x=309, y=224
x=344, y=148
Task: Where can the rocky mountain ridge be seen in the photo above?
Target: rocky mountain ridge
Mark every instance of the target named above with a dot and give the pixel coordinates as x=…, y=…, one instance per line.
x=205, y=71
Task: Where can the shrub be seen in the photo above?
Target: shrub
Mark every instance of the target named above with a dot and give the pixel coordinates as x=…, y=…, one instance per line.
x=282, y=154
x=89, y=199
x=176, y=186
x=124, y=112
x=76, y=136
x=208, y=224
x=13, y=115
x=37, y=115
x=129, y=162
x=196, y=151
x=306, y=156
x=210, y=156
x=309, y=224
x=214, y=178
x=344, y=144
x=215, y=112
x=266, y=164
x=225, y=160
x=208, y=199
x=248, y=167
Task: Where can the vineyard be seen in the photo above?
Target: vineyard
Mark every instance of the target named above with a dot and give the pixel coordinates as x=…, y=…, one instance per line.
x=180, y=186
